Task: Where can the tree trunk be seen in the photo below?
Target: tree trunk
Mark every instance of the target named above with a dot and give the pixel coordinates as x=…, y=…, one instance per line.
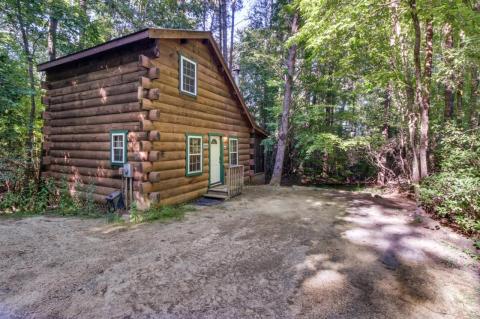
x=448, y=94
x=474, y=108
x=224, y=29
x=425, y=105
x=31, y=79
x=83, y=6
x=232, y=33
x=220, y=26
x=381, y=176
x=287, y=100
x=418, y=90
x=52, y=38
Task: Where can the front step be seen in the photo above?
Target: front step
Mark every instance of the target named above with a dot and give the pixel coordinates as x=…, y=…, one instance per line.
x=220, y=192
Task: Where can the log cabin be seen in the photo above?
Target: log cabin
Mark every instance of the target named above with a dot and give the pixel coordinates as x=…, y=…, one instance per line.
x=163, y=101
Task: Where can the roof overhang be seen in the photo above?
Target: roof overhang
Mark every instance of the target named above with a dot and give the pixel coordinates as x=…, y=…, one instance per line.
x=152, y=33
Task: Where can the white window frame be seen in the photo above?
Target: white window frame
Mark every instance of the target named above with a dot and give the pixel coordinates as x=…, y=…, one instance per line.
x=182, y=59
x=190, y=137
x=230, y=151
x=123, y=148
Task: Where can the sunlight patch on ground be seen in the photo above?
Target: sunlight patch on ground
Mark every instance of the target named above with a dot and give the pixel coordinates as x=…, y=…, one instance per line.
x=311, y=262
x=326, y=279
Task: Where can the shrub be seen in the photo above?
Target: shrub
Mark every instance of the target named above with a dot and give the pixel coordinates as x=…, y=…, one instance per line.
x=47, y=196
x=454, y=191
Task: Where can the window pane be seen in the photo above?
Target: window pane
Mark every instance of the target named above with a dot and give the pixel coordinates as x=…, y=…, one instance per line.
x=117, y=141
x=233, y=152
x=118, y=155
x=188, y=78
x=194, y=154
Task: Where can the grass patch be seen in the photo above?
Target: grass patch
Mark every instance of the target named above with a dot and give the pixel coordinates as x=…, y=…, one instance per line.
x=159, y=213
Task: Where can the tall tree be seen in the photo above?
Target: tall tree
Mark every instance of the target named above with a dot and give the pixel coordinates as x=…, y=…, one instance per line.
x=287, y=101
x=448, y=60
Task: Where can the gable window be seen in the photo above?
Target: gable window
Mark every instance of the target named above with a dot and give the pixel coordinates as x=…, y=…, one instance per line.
x=233, y=150
x=118, y=147
x=188, y=76
x=194, y=155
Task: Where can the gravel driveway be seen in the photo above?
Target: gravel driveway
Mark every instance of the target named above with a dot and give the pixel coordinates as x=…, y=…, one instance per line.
x=270, y=253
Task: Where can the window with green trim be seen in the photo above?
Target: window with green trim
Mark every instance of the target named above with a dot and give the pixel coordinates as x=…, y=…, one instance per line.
x=194, y=154
x=233, y=150
x=188, y=76
x=118, y=147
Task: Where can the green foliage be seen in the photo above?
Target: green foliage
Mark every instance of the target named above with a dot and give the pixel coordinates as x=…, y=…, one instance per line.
x=162, y=213
x=47, y=197
x=454, y=192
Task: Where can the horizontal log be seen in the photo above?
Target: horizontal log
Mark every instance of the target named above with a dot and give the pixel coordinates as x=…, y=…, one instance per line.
x=176, y=100
x=93, y=163
x=165, y=175
x=185, y=120
x=154, y=136
x=96, y=128
x=96, y=146
x=102, y=93
x=105, y=61
x=85, y=171
x=146, y=104
x=100, y=119
x=168, y=165
x=148, y=187
x=170, y=155
x=102, y=155
x=204, y=89
x=169, y=146
x=95, y=137
x=153, y=115
x=111, y=100
x=98, y=84
x=171, y=137
x=98, y=110
x=169, y=193
x=144, y=61
x=153, y=156
x=145, y=82
x=146, y=125
x=100, y=181
x=95, y=189
x=96, y=75
x=153, y=73
x=180, y=128
x=202, y=97
x=195, y=113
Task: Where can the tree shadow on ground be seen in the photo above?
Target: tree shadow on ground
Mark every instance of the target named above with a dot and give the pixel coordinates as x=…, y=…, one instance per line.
x=376, y=263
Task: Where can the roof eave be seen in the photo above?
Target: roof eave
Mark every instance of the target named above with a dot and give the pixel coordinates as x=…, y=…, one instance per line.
x=143, y=34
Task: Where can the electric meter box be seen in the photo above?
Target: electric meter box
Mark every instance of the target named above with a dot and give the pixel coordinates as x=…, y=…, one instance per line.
x=127, y=170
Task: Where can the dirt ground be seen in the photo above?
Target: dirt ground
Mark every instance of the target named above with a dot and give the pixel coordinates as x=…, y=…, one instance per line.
x=270, y=253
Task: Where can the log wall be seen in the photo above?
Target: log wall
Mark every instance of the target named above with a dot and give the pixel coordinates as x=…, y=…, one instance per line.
x=136, y=88
x=87, y=99
x=213, y=110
